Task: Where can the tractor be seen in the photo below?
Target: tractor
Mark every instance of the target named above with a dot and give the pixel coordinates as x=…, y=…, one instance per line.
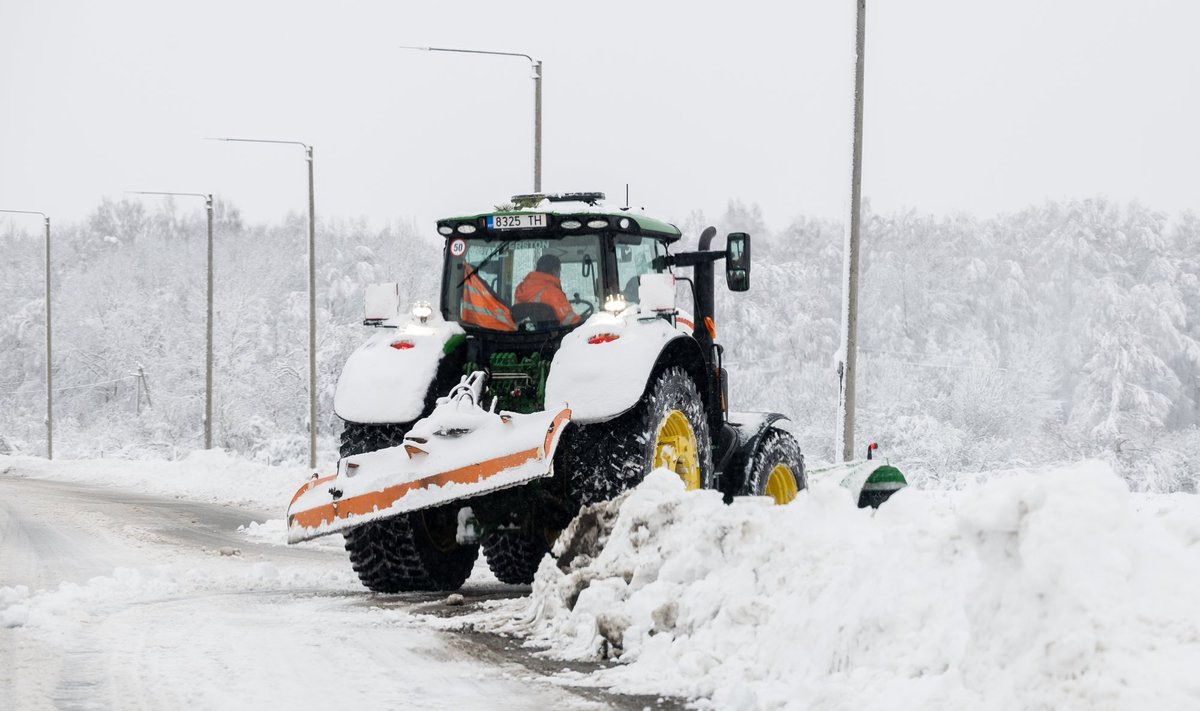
x=556, y=371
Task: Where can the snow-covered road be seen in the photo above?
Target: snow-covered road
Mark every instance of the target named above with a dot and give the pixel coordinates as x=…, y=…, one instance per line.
x=114, y=600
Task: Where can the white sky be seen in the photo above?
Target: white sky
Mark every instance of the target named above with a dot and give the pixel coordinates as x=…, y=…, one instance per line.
x=975, y=106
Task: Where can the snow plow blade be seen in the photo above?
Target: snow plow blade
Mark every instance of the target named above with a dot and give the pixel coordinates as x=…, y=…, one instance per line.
x=455, y=453
x=870, y=481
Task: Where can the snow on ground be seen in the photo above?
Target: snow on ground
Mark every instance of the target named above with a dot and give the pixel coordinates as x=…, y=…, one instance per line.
x=204, y=475
x=1042, y=589
x=1037, y=590
x=113, y=600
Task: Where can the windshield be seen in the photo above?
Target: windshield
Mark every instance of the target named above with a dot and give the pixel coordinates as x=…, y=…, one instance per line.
x=523, y=284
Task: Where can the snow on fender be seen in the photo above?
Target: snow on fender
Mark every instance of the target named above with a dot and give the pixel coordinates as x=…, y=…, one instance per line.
x=386, y=379
x=602, y=367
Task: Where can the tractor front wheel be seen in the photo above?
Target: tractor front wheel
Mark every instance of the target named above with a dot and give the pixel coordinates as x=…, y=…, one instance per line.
x=411, y=551
x=668, y=428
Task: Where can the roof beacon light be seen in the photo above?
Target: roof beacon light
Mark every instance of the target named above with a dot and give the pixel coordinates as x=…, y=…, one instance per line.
x=466, y=228
x=615, y=304
x=597, y=224
x=590, y=198
x=570, y=224
x=528, y=201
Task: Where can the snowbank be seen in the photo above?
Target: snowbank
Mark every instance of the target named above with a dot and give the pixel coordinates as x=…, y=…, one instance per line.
x=1050, y=590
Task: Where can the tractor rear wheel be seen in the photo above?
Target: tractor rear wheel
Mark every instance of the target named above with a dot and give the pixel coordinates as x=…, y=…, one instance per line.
x=668, y=428
x=411, y=551
x=777, y=469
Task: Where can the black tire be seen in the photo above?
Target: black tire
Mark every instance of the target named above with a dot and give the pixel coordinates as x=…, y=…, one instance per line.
x=411, y=551
x=358, y=438
x=774, y=449
x=607, y=458
x=513, y=556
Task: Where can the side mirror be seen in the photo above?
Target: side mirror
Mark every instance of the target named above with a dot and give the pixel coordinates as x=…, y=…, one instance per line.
x=737, y=261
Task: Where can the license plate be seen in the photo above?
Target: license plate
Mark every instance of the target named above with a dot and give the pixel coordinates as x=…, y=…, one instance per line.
x=515, y=222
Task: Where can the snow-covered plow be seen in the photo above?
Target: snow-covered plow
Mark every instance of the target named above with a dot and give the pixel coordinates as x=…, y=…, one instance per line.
x=459, y=451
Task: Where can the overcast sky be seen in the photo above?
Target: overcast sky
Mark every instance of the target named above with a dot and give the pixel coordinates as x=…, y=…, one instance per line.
x=979, y=106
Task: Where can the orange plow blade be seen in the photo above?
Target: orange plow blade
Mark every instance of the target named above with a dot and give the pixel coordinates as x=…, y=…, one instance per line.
x=446, y=457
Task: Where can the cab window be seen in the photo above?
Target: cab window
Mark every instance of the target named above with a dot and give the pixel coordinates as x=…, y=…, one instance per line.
x=635, y=257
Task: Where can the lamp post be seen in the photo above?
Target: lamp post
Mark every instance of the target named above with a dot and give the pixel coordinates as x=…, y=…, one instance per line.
x=536, y=65
x=312, y=292
x=208, y=348
x=847, y=368
x=49, y=339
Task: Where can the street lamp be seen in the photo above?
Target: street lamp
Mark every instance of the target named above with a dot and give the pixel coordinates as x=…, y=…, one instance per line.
x=49, y=340
x=536, y=65
x=208, y=349
x=312, y=293
x=848, y=367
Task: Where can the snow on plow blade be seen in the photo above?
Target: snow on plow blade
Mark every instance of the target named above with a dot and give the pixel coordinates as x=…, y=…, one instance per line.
x=455, y=453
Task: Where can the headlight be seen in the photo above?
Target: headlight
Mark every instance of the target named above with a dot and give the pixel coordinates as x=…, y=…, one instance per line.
x=422, y=311
x=615, y=304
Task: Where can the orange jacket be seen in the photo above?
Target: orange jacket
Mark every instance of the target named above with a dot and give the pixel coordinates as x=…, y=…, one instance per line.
x=480, y=308
x=543, y=288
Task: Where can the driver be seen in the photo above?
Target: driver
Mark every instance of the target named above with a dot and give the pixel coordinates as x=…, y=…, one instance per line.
x=542, y=286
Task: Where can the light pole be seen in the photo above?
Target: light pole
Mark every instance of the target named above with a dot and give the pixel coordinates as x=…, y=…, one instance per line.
x=536, y=65
x=312, y=293
x=847, y=368
x=208, y=348
x=49, y=339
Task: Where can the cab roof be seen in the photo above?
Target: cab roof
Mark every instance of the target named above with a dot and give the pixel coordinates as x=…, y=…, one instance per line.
x=560, y=208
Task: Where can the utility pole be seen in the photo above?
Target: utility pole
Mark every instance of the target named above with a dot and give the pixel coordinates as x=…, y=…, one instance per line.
x=208, y=348
x=847, y=368
x=312, y=314
x=537, y=126
x=312, y=291
x=49, y=338
x=536, y=65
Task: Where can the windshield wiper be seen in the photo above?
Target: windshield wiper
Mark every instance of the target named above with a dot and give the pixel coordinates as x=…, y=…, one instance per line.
x=486, y=261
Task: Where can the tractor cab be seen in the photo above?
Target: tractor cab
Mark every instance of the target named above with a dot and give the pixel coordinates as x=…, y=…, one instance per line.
x=546, y=263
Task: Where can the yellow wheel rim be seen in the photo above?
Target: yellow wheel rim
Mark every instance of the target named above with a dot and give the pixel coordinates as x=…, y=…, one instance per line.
x=781, y=484
x=675, y=448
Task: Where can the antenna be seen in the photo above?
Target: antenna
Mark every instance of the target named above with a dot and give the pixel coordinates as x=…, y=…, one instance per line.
x=626, y=196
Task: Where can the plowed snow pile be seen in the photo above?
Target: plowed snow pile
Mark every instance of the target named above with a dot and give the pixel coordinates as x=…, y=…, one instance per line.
x=1049, y=590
